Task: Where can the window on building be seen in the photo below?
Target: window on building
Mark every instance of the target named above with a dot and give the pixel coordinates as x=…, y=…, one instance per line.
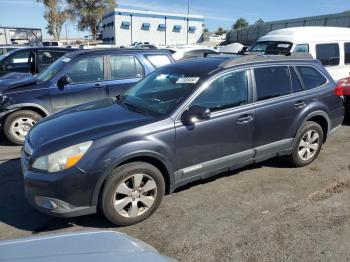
x=177, y=28
x=311, y=77
x=87, y=70
x=228, y=91
x=125, y=66
x=347, y=53
x=328, y=54
x=272, y=82
x=146, y=26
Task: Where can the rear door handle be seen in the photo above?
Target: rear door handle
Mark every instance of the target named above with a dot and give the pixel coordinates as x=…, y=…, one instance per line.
x=300, y=104
x=98, y=86
x=244, y=119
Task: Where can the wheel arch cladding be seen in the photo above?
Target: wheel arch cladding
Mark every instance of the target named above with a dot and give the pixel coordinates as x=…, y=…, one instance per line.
x=138, y=158
x=322, y=120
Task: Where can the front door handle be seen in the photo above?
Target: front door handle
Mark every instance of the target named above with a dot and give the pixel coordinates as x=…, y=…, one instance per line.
x=98, y=86
x=244, y=119
x=300, y=104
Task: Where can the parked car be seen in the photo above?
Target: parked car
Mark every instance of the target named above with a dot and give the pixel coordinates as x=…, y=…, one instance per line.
x=192, y=52
x=7, y=48
x=30, y=59
x=185, y=121
x=345, y=84
x=75, y=78
x=51, y=43
x=103, y=246
x=135, y=45
x=330, y=45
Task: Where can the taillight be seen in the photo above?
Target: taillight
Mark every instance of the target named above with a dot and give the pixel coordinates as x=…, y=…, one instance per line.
x=338, y=91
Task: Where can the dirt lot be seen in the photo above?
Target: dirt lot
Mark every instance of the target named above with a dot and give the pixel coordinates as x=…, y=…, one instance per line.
x=265, y=212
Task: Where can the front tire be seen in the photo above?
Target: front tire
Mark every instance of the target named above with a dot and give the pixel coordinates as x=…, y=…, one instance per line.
x=307, y=144
x=132, y=193
x=18, y=124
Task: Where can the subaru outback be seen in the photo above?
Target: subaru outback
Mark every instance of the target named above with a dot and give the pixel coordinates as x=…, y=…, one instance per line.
x=183, y=122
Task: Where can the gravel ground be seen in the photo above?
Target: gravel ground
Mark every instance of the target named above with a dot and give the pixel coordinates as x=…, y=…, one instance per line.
x=264, y=212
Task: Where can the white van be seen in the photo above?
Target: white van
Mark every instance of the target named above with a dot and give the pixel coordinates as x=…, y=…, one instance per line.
x=330, y=45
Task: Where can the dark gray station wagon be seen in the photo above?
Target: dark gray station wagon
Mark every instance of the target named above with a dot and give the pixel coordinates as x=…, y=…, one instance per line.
x=183, y=122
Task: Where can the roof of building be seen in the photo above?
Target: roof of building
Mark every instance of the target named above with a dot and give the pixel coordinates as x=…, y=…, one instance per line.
x=149, y=13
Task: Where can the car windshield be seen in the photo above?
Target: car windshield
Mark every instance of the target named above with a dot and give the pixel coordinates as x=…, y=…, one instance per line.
x=160, y=93
x=53, y=69
x=271, y=47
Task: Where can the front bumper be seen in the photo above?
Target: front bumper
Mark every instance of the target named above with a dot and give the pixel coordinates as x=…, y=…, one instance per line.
x=63, y=194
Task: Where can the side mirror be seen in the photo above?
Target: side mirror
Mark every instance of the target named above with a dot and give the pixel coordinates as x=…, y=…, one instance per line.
x=194, y=114
x=64, y=80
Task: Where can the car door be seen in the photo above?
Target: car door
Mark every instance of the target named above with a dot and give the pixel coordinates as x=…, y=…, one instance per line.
x=224, y=139
x=87, y=83
x=16, y=62
x=124, y=72
x=279, y=102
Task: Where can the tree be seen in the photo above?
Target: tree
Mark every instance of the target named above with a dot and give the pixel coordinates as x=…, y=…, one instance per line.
x=205, y=30
x=240, y=23
x=55, y=15
x=259, y=22
x=220, y=31
x=89, y=13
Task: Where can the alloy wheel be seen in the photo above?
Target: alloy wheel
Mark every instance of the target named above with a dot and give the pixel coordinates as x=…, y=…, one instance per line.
x=309, y=144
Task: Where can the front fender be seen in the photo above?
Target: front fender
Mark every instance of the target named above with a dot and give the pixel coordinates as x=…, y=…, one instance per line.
x=126, y=153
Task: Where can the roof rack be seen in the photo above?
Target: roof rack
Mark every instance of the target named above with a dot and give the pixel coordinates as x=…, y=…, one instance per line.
x=247, y=59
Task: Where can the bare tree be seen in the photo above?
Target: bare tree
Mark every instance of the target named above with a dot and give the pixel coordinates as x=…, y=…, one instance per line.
x=89, y=13
x=56, y=15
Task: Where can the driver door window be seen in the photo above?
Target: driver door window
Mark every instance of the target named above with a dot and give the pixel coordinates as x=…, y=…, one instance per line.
x=228, y=91
x=87, y=70
x=18, y=62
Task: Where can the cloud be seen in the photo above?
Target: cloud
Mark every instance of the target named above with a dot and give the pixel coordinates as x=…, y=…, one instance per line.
x=18, y=2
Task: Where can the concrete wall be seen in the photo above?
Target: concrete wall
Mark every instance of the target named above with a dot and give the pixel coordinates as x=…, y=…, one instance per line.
x=154, y=34
x=249, y=35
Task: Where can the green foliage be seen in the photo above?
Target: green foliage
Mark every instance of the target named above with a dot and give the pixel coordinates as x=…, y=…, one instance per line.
x=220, y=31
x=258, y=22
x=240, y=23
x=56, y=15
x=89, y=13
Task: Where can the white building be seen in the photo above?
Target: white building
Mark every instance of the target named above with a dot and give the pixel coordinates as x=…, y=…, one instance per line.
x=125, y=26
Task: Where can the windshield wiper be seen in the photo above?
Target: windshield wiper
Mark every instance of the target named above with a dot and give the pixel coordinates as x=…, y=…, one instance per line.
x=135, y=109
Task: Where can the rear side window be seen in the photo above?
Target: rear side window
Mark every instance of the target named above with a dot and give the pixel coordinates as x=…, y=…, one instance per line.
x=125, y=66
x=48, y=57
x=158, y=60
x=296, y=85
x=272, y=82
x=311, y=77
x=347, y=53
x=328, y=54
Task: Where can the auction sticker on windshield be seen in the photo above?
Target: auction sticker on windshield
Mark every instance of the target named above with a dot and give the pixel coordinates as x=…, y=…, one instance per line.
x=66, y=59
x=187, y=80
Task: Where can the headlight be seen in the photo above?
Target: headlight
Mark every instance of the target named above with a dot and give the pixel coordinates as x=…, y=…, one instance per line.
x=62, y=159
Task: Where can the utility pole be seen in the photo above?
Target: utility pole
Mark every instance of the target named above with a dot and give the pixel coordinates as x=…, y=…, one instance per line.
x=188, y=13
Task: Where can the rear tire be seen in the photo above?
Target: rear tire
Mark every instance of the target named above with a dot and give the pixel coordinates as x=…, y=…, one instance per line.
x=132, y=192
x=18, y=124
x=307, y=144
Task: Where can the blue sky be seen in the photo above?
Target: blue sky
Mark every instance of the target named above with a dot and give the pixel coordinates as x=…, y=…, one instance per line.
x=28, y=13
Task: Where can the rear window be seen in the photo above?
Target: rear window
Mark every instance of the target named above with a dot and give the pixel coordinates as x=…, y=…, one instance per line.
x=328, y=54
x=311, y=77
x=158, y=60
x=272, y=82
x=347, y=53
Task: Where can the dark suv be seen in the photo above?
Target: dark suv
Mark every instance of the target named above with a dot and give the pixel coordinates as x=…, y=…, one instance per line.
x=31, y=60
x=78, y=77
x=185, y=121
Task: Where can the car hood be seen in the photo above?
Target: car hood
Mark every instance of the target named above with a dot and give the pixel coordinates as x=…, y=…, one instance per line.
x=80, y=246
x=86, y=122
x=17, y=83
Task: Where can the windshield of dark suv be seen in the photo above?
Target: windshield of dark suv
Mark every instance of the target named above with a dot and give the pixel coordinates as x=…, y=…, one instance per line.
x=160, y=92
x=271, y=47
x=53, y=69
